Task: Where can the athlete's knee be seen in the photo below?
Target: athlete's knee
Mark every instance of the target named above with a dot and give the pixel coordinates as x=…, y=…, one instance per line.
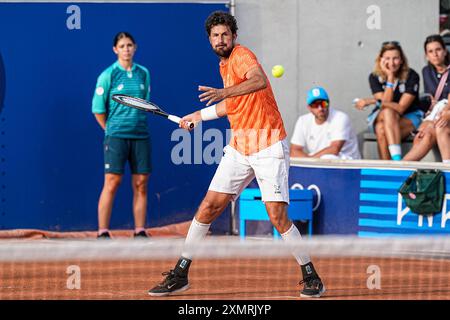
x=281, y=223
x=208, y=210
x=140, y=185
x=112, y=182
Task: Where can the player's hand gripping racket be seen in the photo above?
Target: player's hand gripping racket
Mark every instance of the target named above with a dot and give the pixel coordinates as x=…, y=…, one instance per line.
x=148, y=106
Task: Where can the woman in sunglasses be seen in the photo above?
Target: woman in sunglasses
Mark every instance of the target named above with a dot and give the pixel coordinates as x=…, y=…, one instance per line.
x=436, y=79
x=395, y=89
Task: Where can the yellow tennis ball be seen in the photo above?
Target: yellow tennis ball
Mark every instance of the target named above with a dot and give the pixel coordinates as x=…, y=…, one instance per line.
x=277, y=71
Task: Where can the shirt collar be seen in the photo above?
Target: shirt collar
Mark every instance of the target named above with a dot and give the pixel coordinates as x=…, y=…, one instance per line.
x=117, y=65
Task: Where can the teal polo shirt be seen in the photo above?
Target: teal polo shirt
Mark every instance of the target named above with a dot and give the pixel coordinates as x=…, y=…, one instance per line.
x=122, y=121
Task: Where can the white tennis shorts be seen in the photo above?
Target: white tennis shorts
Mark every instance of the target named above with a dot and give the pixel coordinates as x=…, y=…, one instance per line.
x=270, y=166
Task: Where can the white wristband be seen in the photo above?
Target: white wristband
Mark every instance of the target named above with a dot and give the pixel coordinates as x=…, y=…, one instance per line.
x=209, y=113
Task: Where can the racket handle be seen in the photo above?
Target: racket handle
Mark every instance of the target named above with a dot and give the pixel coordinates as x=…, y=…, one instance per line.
x=178, y=120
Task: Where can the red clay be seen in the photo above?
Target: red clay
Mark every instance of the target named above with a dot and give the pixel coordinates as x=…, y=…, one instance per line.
x=228, y=279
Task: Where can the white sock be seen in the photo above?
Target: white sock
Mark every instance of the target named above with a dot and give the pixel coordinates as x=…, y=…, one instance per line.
x=294, y=236
x=395, y=150
x=197, y=232
x=446, y=161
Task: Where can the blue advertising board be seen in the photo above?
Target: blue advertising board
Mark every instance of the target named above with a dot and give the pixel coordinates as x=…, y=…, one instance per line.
x=335, y=207
x=363, y=199
x=382, y=210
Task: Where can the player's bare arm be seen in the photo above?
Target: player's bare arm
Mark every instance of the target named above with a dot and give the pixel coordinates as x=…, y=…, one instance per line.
x=256, y=80
x=195, y=117
x=221, y=109
x=101, y=119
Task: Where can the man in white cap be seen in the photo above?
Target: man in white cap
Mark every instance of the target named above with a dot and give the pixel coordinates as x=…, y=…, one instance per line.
x=324, y=132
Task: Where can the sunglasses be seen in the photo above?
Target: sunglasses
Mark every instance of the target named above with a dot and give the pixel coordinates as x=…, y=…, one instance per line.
x=319, y=103
x=394, y=43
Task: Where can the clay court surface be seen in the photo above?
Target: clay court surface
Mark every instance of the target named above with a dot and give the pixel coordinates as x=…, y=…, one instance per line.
x=228, y=279
x=219, y=279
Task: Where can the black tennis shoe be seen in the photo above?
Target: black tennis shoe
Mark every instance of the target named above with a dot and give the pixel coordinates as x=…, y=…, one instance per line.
x=104, y=235
x=176, y=280
x=313, y=286
x=173, y=283
x=141, y=235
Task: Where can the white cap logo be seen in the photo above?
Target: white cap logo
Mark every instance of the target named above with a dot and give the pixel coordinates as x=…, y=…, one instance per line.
x=316, y=92
x=120, y=87
x=99, y=91
x=142, y=87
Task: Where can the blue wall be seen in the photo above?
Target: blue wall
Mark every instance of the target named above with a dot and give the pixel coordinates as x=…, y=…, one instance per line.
x=51, y=168
x=2, y=82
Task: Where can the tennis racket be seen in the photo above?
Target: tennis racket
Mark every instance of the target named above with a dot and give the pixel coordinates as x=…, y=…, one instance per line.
x=147, y=106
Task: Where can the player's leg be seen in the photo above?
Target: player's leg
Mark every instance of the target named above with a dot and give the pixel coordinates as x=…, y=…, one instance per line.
x=272, y=174
x=115, y=157
x=277, y=212
x=313, y=286
x=210, y=208
x=176, y=280
x=139, y=184
x=141, y=167
x=423, y=142
x=230, y=178
x=106, y=201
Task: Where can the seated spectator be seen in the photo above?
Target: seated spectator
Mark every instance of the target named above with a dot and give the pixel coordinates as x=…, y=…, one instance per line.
x=324, y=132
x=395, y=89
x=436, y=81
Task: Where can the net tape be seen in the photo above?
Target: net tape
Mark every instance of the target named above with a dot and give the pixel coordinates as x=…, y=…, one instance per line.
x=430, y=247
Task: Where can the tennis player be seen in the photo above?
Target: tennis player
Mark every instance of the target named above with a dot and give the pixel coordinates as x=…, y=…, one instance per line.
x=258, y=148
x=126, y=133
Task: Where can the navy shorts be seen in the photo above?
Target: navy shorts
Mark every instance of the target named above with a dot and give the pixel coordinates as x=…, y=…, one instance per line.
x=117, y=151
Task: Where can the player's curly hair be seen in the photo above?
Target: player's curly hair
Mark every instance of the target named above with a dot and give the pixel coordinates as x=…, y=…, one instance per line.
x=220, y=17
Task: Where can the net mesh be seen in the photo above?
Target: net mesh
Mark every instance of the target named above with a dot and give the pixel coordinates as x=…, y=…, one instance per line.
x=226, y=268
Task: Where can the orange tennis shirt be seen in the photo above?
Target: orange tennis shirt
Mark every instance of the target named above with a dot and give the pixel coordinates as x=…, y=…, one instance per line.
x=254, y=118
